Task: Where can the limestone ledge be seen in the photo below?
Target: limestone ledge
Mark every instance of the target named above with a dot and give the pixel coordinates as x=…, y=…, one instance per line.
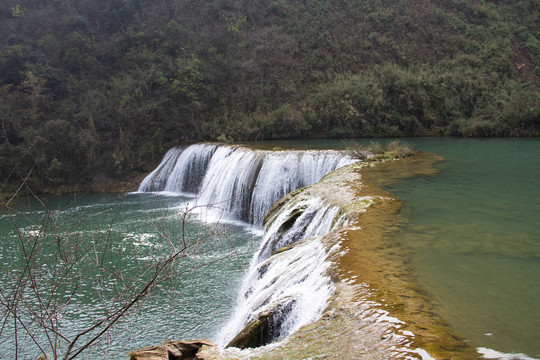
x=377, y=311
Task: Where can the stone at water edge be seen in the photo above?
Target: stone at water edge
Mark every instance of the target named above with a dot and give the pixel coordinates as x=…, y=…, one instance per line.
x=264, y=329
x=159, y=352
x=254, y=334
x=209, y=353
x=174, y=350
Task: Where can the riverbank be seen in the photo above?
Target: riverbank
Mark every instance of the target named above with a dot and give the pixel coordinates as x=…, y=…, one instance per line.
x=99, y=183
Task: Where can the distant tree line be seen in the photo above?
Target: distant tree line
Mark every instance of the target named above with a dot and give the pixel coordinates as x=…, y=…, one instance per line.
x=103, y=86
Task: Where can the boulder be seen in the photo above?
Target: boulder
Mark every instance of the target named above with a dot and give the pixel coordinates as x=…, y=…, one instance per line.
x=256, y=333
x=173, y=350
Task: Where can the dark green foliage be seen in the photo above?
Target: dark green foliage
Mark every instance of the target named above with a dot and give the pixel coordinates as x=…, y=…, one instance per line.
x=104, y=86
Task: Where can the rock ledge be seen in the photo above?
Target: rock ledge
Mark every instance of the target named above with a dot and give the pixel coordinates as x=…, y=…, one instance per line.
x=178, y=350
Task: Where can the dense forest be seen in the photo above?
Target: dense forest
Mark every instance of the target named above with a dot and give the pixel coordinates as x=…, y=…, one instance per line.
x=92, y=87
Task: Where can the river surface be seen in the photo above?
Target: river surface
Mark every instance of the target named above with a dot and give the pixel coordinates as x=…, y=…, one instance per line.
x=133, y=230
x=473, y=233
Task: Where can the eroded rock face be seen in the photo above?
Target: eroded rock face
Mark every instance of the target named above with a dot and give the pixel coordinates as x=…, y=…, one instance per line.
x=175, y=350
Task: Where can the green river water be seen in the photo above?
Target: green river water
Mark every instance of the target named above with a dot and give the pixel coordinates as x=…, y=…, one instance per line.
x=195, y=302
x=473, y=232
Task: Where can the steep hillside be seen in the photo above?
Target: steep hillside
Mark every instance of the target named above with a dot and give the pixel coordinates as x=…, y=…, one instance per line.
x=93, y=87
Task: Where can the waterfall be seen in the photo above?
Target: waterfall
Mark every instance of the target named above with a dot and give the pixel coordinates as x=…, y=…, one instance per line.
x=307, y=202
x=180, y=171
x=238, y=183
x=291, y=283
x=288, y=279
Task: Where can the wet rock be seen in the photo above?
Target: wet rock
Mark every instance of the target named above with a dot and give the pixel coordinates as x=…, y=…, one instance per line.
x=254, y=334
x=175, y=350
x=209, y=353
x=266, y=328
x=150, y=353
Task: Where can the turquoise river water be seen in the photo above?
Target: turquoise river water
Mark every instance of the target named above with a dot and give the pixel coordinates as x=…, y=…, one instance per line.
x=133, y=230
x=473, y=234
x=474, y=231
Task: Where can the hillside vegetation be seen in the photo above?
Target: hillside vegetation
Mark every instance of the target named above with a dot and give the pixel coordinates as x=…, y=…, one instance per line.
x=90, y=87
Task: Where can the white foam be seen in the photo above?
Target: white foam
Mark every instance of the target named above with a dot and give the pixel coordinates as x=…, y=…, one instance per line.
x=494, y=354
x=423, y=354
x=296, y=276
x=238, y=183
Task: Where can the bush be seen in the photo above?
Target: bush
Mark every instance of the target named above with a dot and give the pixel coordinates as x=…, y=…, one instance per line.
x=377, y=151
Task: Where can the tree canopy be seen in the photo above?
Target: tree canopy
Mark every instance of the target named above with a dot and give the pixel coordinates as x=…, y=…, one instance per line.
x=102, y=86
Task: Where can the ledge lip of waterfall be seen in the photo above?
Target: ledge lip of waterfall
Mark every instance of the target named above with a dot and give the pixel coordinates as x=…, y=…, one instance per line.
x=305, y=212
x=234, y=182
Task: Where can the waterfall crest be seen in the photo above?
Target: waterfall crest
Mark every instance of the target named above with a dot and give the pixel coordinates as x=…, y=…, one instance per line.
x=237, y=183
x=180, y=171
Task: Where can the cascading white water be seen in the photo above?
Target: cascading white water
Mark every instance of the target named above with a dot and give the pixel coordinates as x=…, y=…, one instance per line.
x=157, y=179
x=283, y=172
x=242, y=184
x=180, y=171
x=292, y=284
x=298, y=220
x=227, y=187
x=236, y=183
